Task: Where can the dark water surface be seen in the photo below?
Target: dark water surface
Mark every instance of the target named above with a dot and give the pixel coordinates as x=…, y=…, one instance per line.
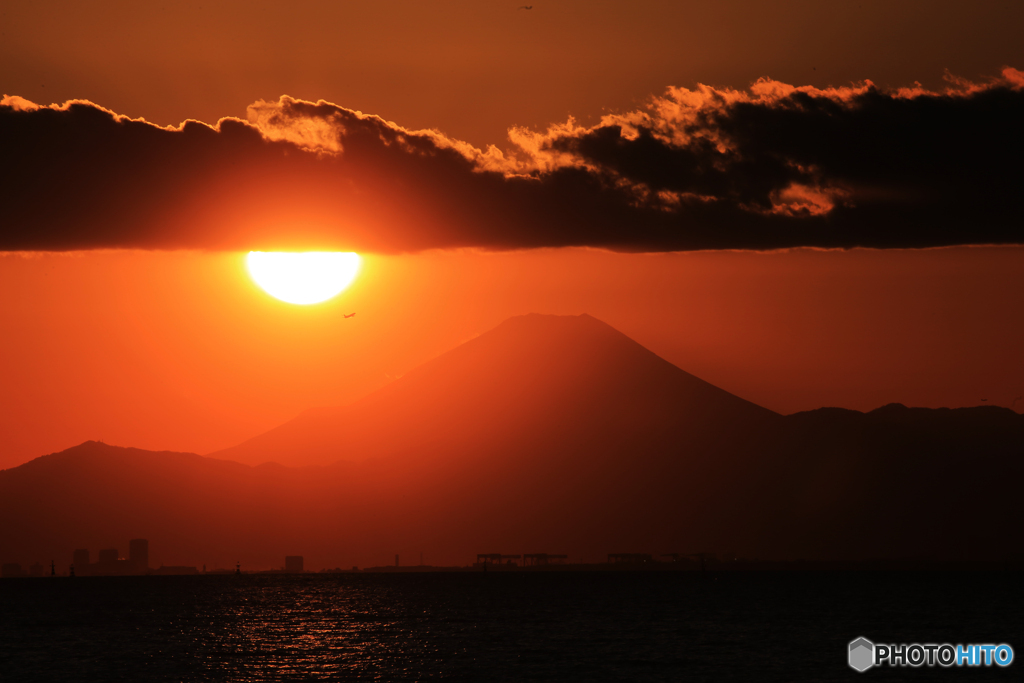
x=566, y=626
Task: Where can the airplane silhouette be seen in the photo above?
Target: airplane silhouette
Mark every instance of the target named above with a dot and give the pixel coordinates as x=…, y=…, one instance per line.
x=347, y=316
x=525, y=7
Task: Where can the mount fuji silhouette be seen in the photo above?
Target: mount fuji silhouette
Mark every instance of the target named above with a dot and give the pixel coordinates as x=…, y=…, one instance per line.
x=534, y=377
x=545, y=434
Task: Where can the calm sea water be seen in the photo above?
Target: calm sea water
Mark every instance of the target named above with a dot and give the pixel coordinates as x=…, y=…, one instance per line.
x=750, y=626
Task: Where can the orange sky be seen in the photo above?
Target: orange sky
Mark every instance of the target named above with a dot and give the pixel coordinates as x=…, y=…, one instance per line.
x=472, y=69
x=179, y=350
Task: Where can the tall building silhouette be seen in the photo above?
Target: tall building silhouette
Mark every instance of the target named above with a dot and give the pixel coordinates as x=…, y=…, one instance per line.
x=138, y=553
x=293, y=563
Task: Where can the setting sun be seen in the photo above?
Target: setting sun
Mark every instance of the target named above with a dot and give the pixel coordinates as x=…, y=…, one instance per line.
x=503, y=341
x=303, y=278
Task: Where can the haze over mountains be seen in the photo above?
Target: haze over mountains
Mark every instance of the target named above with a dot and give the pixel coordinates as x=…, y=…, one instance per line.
x=546, y=434
x=532, y=377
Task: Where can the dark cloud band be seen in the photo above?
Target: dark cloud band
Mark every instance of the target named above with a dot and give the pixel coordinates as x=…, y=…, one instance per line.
x=768, y=168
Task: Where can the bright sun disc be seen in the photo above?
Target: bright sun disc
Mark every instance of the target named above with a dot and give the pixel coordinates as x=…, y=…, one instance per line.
x=303, y=278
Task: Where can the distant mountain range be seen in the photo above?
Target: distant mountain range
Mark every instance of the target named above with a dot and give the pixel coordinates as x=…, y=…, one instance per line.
x=534, y=377
x=547, y=434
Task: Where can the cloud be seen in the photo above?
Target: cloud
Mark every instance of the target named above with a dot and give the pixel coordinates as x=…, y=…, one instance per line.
x=773, y=166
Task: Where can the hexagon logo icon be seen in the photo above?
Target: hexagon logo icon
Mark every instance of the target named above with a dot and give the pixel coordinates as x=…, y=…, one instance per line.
x=862, y=654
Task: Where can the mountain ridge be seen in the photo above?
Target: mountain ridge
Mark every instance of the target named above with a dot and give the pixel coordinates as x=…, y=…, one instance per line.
x=516, y=341
x=552, y=436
